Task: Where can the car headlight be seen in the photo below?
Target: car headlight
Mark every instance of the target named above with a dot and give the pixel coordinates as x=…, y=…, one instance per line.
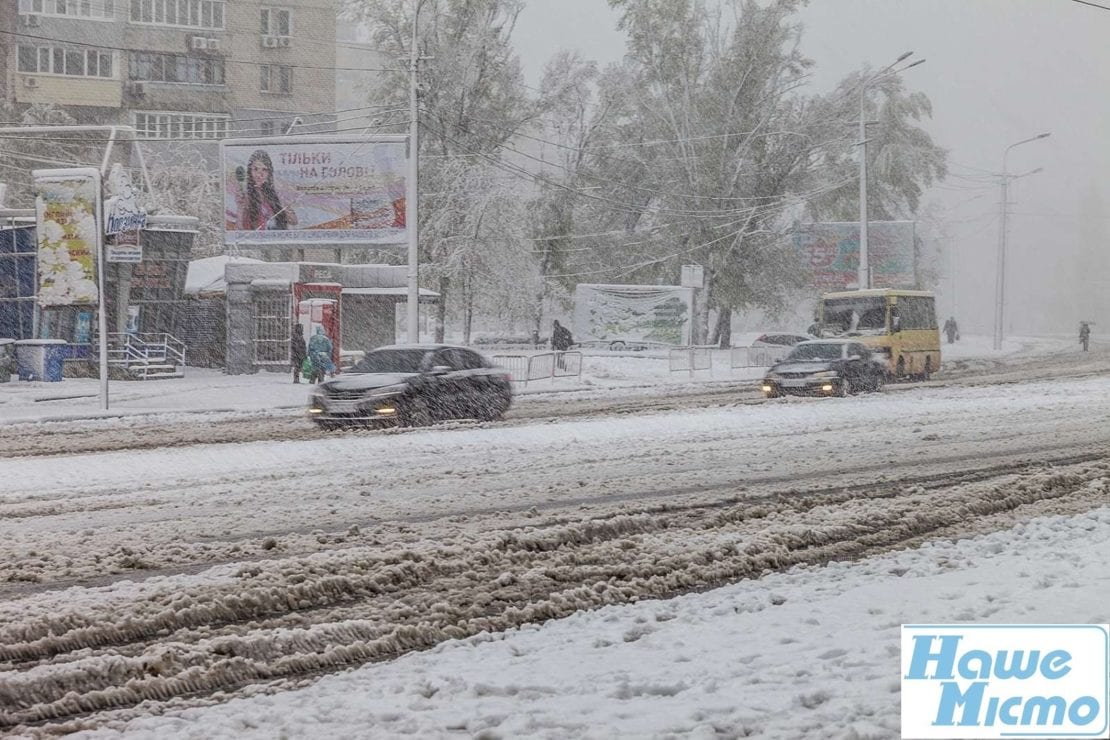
x=825, y=374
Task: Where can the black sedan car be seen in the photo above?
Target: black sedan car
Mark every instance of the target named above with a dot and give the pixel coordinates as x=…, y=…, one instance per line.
x=824, y=367
x=413, y=385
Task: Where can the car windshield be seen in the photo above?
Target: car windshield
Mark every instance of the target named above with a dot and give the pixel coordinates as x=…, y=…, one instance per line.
x=391, y=361
x=815, y=352
x=854, y=316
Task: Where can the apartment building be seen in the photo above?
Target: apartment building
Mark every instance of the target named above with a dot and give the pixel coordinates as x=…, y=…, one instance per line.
x=176, y=70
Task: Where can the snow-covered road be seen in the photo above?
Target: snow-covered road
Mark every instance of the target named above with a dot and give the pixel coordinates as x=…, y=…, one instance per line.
x=165, y=575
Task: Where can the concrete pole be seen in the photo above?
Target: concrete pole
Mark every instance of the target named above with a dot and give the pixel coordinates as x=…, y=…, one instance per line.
x=1000, y=277
x=411, y=214
x=864, y=277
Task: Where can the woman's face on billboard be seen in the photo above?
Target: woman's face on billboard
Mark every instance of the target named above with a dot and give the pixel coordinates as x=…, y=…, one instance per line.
x=260, y=173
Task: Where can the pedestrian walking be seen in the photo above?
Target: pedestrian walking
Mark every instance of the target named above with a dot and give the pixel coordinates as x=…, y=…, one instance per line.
x=319, y=351
x=1084, y=334
x=561, y=341
x=952, y=330
x=298, y=352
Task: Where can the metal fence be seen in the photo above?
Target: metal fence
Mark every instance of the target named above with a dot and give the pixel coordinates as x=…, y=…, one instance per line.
x=690, y=359
x=756, y=356
x=544, y=366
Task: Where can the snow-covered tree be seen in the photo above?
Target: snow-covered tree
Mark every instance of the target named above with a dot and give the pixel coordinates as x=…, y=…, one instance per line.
x=183, y=185
x=20, y=153
x=710, y=146
x=472, y=102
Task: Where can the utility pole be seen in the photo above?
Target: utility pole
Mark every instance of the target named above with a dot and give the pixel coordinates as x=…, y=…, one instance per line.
x=1000, y=275
x=411, y=214
x=864, y=274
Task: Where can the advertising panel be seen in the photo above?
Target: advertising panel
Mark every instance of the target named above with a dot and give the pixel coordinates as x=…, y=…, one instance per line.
x=301, y=191
x=67, y=218
x=124, y=246
x=829, y=252
x=644, y=313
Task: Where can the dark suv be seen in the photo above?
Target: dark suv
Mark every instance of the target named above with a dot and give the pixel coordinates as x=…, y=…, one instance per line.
x=824, y=367
x=413, y=385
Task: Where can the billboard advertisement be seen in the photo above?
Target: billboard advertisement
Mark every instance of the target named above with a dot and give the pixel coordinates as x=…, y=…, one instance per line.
x=319, y=190
x=643, y=313
x=67, y=220
x=829, y=252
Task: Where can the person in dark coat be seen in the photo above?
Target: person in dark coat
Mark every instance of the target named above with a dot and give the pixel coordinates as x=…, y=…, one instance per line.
x=1084, y=334
x=297, y=352
x=561, y=338
x=951, y=329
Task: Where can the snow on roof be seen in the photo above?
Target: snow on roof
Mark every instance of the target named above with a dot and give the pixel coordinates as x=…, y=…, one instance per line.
x=207, y=275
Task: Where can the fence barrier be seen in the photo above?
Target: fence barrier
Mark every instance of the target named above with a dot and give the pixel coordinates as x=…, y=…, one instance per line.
x=690, y=359
x=544, y=366
x=756, y=356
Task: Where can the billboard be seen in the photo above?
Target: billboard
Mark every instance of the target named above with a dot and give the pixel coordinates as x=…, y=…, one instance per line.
x=326, y=190
x=829, y=252
x=645, y=313
x=67, y=221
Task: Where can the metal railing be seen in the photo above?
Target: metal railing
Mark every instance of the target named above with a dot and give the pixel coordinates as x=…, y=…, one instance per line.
x=145, y=349
x=690, y=359
x=547, y=365
x=756, y=356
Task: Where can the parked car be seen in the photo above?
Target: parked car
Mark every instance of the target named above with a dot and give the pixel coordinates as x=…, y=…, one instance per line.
x=413, y=385
x=780, y=340
x=825, y=367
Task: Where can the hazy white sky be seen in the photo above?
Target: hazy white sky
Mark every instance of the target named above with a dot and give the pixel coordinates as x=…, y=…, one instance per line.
x=997, y=72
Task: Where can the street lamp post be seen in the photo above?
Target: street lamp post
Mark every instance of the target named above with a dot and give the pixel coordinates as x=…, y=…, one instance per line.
x=864, y=274
x=411, y=214
x=1000, y=275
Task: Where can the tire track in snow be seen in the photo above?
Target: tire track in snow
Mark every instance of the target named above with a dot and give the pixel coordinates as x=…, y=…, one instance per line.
x=297, y=617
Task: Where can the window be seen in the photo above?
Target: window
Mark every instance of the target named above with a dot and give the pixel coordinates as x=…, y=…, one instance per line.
x=102, y=9
x=154, y=67
x=55, y=60
x=277, y=78
x=188, y=13
x=171, y=125
x=276, y=22
x=917, y=313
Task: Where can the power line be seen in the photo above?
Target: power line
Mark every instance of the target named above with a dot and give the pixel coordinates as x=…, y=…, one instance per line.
x=57, y=42
x=1093, y=5
x=276, y=114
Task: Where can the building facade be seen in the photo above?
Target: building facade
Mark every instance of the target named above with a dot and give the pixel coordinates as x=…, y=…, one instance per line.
x=176, y=70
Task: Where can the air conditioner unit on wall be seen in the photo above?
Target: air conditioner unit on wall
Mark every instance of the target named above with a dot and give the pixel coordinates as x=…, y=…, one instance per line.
x=213, y=44
x=32, y=21
x=269, y=42
x=30, y=82
x=137, y=89
x=283, y=41
x=198, y=42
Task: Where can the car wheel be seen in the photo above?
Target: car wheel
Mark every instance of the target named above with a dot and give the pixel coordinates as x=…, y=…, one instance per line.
x=415, y=413
x=493, y=409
